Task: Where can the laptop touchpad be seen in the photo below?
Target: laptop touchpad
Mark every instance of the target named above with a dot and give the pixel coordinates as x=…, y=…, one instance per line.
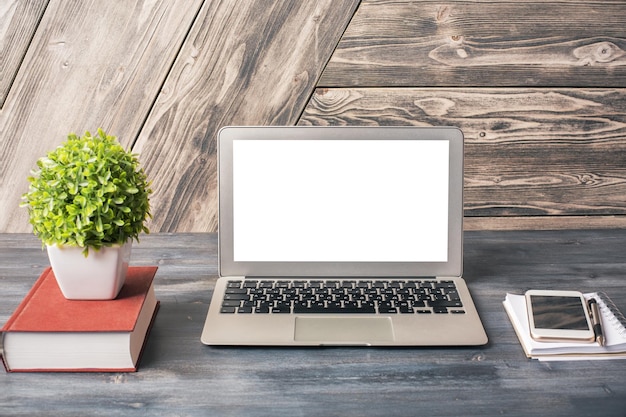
x=343, y=330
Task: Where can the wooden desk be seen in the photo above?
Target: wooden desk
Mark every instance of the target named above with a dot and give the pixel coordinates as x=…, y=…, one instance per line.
x=179, y=376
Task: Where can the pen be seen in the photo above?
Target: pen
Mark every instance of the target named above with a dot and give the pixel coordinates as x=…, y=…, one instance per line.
x=597, y=324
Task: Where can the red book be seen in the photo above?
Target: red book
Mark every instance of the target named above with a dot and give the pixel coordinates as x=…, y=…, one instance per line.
x=47, y=332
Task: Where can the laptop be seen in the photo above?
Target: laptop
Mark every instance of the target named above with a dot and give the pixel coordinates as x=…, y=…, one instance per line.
x=341, y=236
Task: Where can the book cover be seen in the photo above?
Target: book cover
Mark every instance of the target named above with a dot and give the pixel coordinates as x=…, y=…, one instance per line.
x=47, y=332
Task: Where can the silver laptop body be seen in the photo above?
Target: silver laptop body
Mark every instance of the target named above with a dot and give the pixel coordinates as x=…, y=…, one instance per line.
x=349, y=207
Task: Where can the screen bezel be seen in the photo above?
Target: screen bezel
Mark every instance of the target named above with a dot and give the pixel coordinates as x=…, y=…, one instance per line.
x=229, y=267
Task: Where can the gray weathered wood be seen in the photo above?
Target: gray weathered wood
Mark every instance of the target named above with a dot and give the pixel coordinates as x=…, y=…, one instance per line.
x=482, y=43
x=529, y=152
x=254, y=67
x=91, y=64
x=123, y=66
x=180, y=376
x=18, y=22
x=165, y=75
x=543, y=222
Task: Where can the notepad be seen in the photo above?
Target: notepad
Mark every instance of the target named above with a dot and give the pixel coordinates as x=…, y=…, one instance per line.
x=614, y=328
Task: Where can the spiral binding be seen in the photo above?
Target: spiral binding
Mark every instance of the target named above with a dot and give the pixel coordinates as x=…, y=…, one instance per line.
x=616, y=318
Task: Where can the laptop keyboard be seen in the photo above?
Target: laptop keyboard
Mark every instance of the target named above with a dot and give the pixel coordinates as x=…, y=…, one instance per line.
x=360, y=296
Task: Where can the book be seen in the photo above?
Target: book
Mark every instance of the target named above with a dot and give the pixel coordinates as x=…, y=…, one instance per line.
x=48, y=332
x=614, y=329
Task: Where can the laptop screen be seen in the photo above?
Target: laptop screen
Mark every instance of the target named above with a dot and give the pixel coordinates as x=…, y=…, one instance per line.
x=340, y=201
x=325, y=201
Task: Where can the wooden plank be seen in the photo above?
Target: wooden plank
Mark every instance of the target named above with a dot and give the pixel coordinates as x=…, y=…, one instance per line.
x=257, y=66
x=482, y=43
x=529, y=152
x=543, y=222
x=92, y=64
x=18, y=21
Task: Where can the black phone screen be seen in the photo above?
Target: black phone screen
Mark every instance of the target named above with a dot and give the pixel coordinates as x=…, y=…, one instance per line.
x=558, y=312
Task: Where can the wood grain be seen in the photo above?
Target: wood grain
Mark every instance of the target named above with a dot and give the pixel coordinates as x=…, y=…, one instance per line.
x=179, y=376
x=164, y=76
x=529, y=152
x=482, y=43
x=498, y=223
x=91, y=64
x=253, y=67
x=18, y=22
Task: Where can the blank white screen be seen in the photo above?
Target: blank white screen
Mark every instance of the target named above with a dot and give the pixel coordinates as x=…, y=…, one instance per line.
x=340, y=200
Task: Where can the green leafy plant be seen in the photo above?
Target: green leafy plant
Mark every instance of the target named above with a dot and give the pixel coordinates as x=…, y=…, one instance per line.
x=88, y=192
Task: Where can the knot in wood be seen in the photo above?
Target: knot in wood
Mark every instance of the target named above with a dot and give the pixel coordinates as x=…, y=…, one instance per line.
x=599, y=52
x=587, y=179
x=456, y=39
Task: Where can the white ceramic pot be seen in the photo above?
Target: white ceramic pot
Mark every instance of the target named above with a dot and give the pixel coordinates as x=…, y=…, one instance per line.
x=99, y=276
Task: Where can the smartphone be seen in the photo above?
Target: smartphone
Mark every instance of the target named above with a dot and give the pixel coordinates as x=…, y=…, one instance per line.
x=558, y=316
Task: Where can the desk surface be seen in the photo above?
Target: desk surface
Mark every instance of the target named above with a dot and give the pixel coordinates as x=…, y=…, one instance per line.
x=180, y=376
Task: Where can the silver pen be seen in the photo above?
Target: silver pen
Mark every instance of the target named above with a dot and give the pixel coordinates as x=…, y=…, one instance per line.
x=597, y=321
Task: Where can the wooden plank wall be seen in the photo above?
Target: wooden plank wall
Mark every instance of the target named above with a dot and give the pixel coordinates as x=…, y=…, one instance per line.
x=538, y=87
x=18, y=22
x=163, y=76
x=89, y=64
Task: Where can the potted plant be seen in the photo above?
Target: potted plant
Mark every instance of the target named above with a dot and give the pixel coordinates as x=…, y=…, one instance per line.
x=88, y=200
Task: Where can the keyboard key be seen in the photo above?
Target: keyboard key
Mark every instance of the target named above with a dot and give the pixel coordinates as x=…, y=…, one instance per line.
x=231, y=303
x=236, y=296
x=236, y=291
x=403, y=306
x=445, y=303
x=333, y=310
x=262, y=309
